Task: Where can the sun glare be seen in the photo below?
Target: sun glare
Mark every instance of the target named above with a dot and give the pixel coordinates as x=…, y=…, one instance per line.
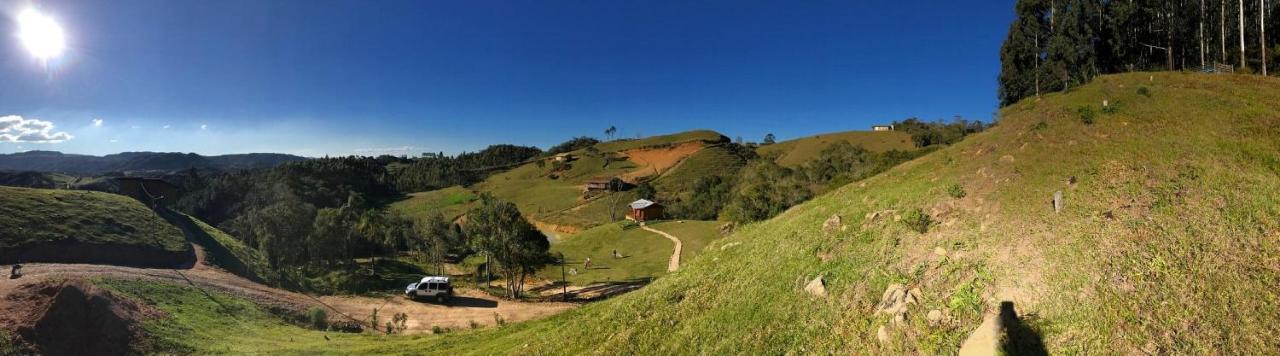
x=42, y=36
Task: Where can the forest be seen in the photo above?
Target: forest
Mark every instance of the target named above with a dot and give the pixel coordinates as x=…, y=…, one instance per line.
x=1054, y=45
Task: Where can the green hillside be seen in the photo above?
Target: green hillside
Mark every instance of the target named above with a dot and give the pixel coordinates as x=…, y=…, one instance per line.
x=687, y=136
x=559, y=200
x=80, y=226
x=646, y=254
x=792, y=153
x=710, y=161
x=450, y=202
x=1166, y=244
x=1168, y=227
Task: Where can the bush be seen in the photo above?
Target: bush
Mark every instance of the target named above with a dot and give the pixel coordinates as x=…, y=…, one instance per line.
x=473, y=324
x=318, y=318
x=956, y=191
x=1040, y=126
x=497, y=318
x=917, y=220
x=1144, y=91
x=438, y=330
x=1086, y=115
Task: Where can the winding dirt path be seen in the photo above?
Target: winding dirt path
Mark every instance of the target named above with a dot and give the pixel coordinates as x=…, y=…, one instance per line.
x=675, y=256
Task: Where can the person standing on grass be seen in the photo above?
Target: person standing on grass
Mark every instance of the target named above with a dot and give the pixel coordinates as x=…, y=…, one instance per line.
x=586, y=264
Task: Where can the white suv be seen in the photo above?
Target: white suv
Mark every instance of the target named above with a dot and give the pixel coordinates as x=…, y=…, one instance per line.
x=431, y=287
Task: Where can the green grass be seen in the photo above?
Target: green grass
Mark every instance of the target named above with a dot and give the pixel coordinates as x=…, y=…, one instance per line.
x=795, y=152
x=1168, y=244
x=450, y=202
x=628, y=144
x=710, y=161
x=208, y=322
x=30, y=216
x=548, y=200
x=646, y=254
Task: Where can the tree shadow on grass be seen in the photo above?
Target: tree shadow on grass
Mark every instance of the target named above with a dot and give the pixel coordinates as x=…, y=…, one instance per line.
x=1023, y=338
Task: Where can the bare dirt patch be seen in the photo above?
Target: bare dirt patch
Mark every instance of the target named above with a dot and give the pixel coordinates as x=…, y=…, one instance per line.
x=654, y=162
x=458, y=313
x=74, y=317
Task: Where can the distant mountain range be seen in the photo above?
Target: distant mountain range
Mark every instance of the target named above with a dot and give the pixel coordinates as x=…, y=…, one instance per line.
x=52, y=161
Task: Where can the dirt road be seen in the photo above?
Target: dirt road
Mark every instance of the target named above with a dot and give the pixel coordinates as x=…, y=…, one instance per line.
x=674, y=264
x=458, y=313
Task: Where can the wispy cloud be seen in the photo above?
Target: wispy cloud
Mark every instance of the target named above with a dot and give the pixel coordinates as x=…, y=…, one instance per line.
x=97, y=122
x=15, y=128
x=204, y=127
x=394, y=151
x=166, y=127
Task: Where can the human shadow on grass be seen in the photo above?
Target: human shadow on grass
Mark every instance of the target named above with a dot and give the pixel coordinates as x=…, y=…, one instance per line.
x=1022, y=339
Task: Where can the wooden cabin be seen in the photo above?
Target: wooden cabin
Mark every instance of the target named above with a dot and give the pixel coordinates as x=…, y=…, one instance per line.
x=643, y=210
x=610, y=184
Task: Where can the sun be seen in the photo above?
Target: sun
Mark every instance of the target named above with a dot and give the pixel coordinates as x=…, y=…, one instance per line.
x=42, y=36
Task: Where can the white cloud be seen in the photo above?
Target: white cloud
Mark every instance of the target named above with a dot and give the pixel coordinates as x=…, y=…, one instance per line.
x=97, y=122
x=394, y=151
x=14, y=128
x=114, y=140
x=135, y=127
x=166, y=127
x=204, y=127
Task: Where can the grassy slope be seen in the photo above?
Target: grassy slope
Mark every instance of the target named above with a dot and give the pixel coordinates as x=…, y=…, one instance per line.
x=709, y=161
x=646, y=254
x=627, y=144
x=42, y=215
x=1168, y=243
x=548, y=200
x=794, y=152
x=450, y=202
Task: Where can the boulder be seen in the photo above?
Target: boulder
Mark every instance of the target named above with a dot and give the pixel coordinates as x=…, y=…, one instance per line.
x=935, y=316
x=833, y=225
x=882, y=334
x=817, y=287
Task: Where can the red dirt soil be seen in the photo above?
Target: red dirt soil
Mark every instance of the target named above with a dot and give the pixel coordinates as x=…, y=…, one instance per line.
x=73, y=317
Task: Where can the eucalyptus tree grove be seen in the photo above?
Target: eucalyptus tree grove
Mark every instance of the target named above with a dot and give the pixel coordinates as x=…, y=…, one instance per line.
x=1057, y=44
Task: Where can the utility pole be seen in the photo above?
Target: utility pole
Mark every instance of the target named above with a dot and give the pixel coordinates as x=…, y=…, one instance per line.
x=1262, y=22
x=564, y=280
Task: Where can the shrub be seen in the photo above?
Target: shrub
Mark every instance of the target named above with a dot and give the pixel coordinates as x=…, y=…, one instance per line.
x=917, y=220
x=956, y=191
x=318, y=318
x=474, y=324
x=1144, y=91
x=438, y=330
x=1040, y=126
x=1110, y=109
x=373, y=319
x=1086, y=115
x=497, y=318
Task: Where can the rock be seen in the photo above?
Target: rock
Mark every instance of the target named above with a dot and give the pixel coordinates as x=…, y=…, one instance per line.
x=882, y=334
x=935, y=316
x=940, y=251
x=832, y=225
x=1007, y=158
x=894, y=300
x=817, y=287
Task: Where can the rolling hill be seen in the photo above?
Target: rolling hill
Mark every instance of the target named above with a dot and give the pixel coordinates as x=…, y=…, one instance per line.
x=1164, y=242
x=792, y=153
x=51, y=161
x=38, y=225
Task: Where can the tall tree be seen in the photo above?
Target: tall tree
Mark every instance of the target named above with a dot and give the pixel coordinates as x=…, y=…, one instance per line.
x=497, y=229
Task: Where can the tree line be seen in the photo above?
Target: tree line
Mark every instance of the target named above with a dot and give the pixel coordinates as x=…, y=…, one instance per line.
x=1054, y=45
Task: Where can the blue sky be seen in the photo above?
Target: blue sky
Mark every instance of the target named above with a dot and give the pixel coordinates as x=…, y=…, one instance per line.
x=317, y=77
